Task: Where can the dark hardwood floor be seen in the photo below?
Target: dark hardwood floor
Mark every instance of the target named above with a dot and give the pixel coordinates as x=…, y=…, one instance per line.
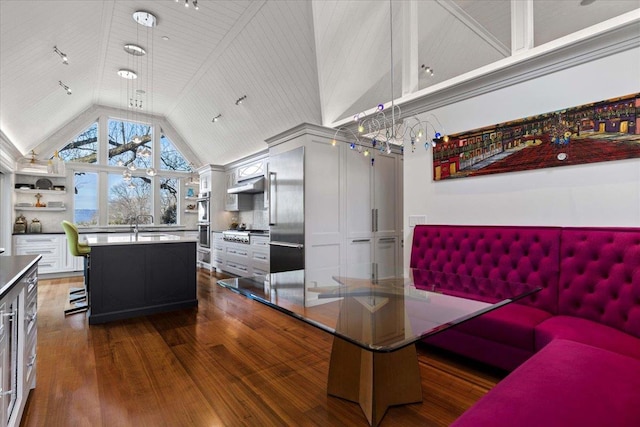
x=230, y=362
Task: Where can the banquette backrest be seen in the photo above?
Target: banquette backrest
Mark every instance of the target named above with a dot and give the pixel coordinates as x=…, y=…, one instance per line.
x=509, y=253
x=600, y=276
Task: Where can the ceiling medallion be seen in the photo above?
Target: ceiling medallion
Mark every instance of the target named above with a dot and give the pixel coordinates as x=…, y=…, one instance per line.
x=134, y=49
x=127, y=74
x=146, y=19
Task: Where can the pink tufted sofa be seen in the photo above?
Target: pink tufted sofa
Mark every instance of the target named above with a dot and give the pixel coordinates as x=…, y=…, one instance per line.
x=586, y=316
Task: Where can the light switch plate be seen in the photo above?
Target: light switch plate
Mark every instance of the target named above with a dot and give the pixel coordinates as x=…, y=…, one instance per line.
x=417, y=219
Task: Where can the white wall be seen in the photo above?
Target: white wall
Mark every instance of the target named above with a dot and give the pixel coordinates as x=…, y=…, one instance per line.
x=599, y=194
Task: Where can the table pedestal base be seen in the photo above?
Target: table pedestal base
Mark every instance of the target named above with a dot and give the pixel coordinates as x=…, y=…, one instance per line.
x=374, y=380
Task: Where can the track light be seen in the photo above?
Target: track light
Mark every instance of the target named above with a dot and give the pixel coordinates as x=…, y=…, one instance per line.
x=216, y=118
x=186, y=4
x=65, y=87
x=239, y=100
x=65, y=60
x=427, y=70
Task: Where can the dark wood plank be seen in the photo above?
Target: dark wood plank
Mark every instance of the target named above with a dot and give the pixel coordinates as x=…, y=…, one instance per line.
x=230, y=361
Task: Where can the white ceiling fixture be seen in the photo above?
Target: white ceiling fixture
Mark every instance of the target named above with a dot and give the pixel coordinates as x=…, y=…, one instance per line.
x=134, y=49
x=127, y=74
x=65, y=87
x=146, y=19
x=65, y=59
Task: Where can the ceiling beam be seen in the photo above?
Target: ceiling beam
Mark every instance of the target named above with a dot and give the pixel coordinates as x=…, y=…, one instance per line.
x=521, y=26
x=475, y=26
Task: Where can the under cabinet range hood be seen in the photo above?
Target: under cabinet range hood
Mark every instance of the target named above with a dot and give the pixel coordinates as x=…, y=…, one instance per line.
x=252, y=185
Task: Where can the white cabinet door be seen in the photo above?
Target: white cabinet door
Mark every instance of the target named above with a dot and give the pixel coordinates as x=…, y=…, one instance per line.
x=205, y=182
x=358, y=190
x=384, y=193
x=359, y=256
x=231, y=200
x=386, y=255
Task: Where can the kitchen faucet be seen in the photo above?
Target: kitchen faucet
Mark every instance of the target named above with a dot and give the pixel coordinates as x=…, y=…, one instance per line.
x=136, y=221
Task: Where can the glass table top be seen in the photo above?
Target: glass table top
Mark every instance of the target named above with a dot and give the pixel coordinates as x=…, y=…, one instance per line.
x=380, y=315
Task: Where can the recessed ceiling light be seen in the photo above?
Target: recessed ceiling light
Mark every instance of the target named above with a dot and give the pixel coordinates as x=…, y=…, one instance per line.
x=127, y=74
x=165, y=38
x=134, y=49
x=146, y=19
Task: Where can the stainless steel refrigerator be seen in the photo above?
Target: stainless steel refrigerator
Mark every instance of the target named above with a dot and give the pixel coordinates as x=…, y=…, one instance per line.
x=286, y=210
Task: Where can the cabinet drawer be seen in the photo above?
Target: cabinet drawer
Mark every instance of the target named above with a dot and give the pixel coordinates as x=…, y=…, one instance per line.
x=236, y=268
x=260, y=242
x=36, y=240
x=261, y=257
x=241, y=252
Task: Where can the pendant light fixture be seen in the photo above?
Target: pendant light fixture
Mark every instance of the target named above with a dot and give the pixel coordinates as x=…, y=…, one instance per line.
x=148, y=21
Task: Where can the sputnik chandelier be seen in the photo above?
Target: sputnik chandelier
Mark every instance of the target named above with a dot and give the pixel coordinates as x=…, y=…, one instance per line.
x=386, y=129
x=382, y=132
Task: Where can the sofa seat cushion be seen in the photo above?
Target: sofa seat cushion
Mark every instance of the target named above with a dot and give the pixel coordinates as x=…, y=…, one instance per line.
x=586, y=332
x=513, y=324
x=565, y=384
x=503, y=356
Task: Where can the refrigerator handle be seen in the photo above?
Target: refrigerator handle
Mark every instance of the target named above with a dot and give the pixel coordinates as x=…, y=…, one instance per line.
x=272, y=198
x=373, y=224
x=376, y=220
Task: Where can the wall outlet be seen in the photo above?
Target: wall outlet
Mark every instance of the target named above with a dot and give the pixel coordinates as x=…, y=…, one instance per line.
x=417, y=219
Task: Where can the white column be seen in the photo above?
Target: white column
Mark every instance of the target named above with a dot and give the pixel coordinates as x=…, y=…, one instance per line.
x=410, y=58
x=521, y=26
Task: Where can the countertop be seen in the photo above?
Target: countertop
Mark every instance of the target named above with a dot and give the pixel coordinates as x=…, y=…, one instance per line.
x=120, y=229
x=106, y=239
x=12, y=267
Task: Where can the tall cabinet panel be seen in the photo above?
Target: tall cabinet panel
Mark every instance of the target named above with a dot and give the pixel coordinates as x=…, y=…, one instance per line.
x=373, y=213
x=353, y=206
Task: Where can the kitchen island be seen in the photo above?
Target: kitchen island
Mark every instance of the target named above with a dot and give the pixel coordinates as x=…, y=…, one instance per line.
x=133, y=275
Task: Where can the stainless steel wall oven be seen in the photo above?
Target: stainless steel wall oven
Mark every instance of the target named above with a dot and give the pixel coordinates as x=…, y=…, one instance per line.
x=204, y=235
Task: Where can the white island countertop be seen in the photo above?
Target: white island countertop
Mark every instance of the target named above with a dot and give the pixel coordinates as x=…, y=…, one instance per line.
x=106, y=239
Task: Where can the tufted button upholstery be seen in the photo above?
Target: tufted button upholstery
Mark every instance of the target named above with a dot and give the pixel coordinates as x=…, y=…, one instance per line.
x=515, y=254
x=600, y=276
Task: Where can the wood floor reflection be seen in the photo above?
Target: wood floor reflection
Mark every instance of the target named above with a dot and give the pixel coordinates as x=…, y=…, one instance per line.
x=230, y=362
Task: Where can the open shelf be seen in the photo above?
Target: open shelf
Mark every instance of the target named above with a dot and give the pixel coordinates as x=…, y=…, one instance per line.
x=33, y=208
x=40, y=173
x=35, y=191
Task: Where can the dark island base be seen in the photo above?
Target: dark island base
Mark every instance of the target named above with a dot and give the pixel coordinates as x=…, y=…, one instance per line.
x=95, y=319
x=128, y=281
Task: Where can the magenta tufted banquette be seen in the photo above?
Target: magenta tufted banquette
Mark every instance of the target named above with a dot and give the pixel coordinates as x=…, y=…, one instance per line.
x=587, y=346
x=590, y=279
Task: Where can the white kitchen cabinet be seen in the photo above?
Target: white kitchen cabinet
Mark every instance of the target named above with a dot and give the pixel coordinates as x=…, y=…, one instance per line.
x=217, y=251
x=236, y=202
x=259, y=255
x=373, y=212
x=18, y=337
x=237, y=259
x=353, y=209
x=54, y=249
x=47, y=245
x=251, y=170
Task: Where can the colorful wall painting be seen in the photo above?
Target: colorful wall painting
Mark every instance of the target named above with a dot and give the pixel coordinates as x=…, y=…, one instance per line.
x=590, y=133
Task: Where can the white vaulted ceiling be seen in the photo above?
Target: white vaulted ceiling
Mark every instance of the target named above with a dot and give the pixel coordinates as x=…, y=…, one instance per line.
x=295, y=60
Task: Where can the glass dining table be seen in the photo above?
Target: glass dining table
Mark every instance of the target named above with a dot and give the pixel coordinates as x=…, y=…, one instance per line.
x=376, y=323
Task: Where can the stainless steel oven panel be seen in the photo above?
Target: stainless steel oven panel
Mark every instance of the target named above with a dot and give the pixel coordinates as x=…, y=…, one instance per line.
x=204, y=235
